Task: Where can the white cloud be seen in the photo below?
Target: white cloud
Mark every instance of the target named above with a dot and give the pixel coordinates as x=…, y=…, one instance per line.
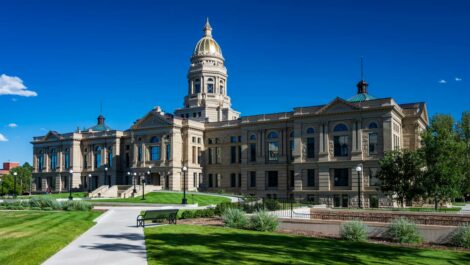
x=442, y=81
x=12, y=125
x=3, y=138
x=13, y=85
x=458, y=79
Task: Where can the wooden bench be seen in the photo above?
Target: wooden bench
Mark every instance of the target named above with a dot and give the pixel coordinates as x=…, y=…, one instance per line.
x=155, y=215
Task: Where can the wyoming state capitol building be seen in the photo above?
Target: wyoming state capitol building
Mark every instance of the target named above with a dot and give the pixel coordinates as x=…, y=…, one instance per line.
x=306, y=153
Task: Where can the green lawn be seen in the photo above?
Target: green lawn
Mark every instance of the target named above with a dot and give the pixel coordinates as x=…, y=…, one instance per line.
x=186, y=244
x=30, y=237
x=171, y=198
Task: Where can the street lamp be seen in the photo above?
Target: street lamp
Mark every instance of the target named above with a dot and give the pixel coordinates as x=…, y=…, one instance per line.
x=359, y=169
x=14, y=185
x=128, y=177
x=1, y=181
x=184, y=201
x=106, y=176
x=134, y=179
x=142, y=179
x=89, y=183
x=70, y=184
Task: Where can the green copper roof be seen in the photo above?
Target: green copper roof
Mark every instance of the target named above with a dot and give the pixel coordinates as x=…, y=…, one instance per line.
x=361, y=97
x=100, y=128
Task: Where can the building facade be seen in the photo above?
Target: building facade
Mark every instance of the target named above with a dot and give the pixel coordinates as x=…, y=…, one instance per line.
x=309, y=152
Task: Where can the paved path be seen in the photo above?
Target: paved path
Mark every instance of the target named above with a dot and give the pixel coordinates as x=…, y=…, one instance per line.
x=465, y=209
x=115, y=240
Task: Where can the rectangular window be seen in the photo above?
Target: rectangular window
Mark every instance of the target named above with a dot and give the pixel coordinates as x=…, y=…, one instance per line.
x=233, y=180
x=291, y=149
x=292, y=179
x=194, y=154
x=194, y=139
x=341, y=145
x=218, y=180
x=199, y=153
x=233, y=154
x=168, y=152
x=139, y=154
x=252, y=179
x=252, y=152
x=155, y=153
x=67, y=159
x=341, y=177
x=211, y=181
x=240, y=154
x=210, y=88
x=310, y=147
x=373, y=179
x=373, y=141
x=273, y=151
x=85, y=162
x=272, y=179
x=310, y=177
x=209, y=156
x=233, y=139
x=195, y=179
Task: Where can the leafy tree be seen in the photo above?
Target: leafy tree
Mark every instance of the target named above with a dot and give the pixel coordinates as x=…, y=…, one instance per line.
x=443, y=155
x=23, y=179
x=463, y=130
x=401, y=173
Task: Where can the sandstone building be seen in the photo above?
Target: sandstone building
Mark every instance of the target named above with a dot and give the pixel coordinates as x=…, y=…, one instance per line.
x=309, y=152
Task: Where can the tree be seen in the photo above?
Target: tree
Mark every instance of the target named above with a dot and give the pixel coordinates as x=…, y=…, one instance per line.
x=443, y=155
x=463, y=130
x=400, y=174
x=23, y=179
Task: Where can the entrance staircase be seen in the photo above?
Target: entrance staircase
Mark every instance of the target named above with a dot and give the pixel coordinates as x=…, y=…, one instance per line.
x=121, y=191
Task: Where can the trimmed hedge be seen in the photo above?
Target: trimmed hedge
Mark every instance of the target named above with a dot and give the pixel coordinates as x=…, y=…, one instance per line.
x=46, y=204
x=202, y=213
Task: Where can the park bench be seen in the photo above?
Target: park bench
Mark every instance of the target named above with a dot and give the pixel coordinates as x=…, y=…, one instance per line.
x=155, y=215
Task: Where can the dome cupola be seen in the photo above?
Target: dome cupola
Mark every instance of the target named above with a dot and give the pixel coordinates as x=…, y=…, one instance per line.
x=207, y=46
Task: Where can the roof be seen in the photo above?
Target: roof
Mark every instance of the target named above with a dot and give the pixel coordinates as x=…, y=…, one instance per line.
x=100, y=128
x=361, y=97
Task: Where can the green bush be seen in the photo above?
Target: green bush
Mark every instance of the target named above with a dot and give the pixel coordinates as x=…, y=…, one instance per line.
x=203, y=213
x=354, y=231
x=252, y=207
x=221, y=207
x=263, y=221
x=76, y=206
x=403, y=230
x=461, y=236
x=272, y=205
x=234, y=218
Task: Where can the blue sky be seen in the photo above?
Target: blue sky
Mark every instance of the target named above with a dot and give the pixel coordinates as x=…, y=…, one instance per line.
x=134, y=55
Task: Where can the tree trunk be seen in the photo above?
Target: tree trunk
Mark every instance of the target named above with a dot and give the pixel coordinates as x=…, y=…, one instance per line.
x=435, y=203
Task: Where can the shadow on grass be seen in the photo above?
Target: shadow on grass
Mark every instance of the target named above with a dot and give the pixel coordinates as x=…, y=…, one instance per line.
x=236, y=246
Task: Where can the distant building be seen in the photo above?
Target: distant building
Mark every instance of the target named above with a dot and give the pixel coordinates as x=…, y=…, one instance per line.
x=309, y=152
x=7, y=166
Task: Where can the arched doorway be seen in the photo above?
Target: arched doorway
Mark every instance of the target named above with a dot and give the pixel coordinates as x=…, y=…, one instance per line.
x=154, y=179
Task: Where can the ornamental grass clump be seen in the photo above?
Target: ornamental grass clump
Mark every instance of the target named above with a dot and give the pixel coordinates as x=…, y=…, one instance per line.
x=45, y=202
x=234, y=218
x=403, y=230
x=354, y=231
x=461, y=236
x=76, y=206
x=263, y=221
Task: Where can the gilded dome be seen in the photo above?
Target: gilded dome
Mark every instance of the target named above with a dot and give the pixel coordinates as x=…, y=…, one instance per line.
x=207, y=45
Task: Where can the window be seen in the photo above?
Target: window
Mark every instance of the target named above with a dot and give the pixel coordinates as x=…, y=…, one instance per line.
x=155, y=153
x=341, y=177
x=272, y=179
x=199, y=138
x=373, y=125
x=139, y=153
x=310, y=130
x=197, y=86
x=340, y=128
x=336, y=200
x=233, y=180
x=341, y=145
x=252, y=152
x=211, y=181
x=233, y=154
x=40, y=161
x=396, y=142
x=272, y=135
x=341, y=200
x=373, y=179
x=195, y=179
x=252, y=179
x=53, y=157
x=154, y=140
x=252, y=137
x=194, y=139
x=291, y=149
x=199, y=153
x=239, y=180
x=85, y=161
x=168, y=152
x=273, y=151
x=233, y=139
x=210, y=159
x=127, y=160
x=209, y=141
x=210, y=85
x=67, y=158
x=110, y=156
x=218, y=179
x=194, y=155
x=310, y=177
x=310, y=147
x=239, y=154
x=218, y=154
x=373, y=141
x=97, y=157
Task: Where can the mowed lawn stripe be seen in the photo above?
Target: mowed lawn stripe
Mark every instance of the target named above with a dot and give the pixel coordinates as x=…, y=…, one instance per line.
x=171, y=198
x=40, y=235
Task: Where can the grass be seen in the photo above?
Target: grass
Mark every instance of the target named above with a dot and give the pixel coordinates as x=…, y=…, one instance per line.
x=460, y=203
x=171, y=198
x=30, y=237
x=186, y=244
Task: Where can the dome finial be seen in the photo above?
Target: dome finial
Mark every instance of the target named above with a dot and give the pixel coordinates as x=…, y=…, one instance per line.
x=362, y=85
x=207, y=29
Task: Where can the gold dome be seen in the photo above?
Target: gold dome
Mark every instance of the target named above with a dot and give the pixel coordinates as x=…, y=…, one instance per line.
x=207, y=45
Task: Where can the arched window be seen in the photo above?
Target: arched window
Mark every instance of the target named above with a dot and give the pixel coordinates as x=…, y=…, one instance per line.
x=197, y=86
x=53, y=157
x=310, y=130
x=66, y=158
x=110, y=156
x=272, y=135
x=155, y=140
x=340, y=128
x=253, y=137
x=98, y=156
x=210, y=85
x=373, y=125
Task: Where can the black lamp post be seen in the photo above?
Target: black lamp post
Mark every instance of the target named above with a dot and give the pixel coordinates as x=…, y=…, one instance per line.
x=128, y=177
x=359, y=170
x=106, y=176
x=142, y=179
x=89, y=183
x=70, y=185
x=134, y=179
x=184, y=201
x=14, y=185
x=1, y=181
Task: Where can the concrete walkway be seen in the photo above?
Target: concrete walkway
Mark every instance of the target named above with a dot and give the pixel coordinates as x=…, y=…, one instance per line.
x=114, y=239
x=465, y=209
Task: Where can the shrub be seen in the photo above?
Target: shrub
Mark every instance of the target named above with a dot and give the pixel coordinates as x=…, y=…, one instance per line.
x=252, y=207
x=461, y=236
x=45, y=202
x=76, y=206
x=272, y=205
x=221, y=207
x=263, y=221
x=354, y=231
x=234, y=218
x=187, y=214
x=403, y=230
x=203, y=213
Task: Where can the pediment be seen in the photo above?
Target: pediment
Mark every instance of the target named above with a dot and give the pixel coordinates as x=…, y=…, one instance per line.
x=52, y=136
x=338, y=105
x=152, y=120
